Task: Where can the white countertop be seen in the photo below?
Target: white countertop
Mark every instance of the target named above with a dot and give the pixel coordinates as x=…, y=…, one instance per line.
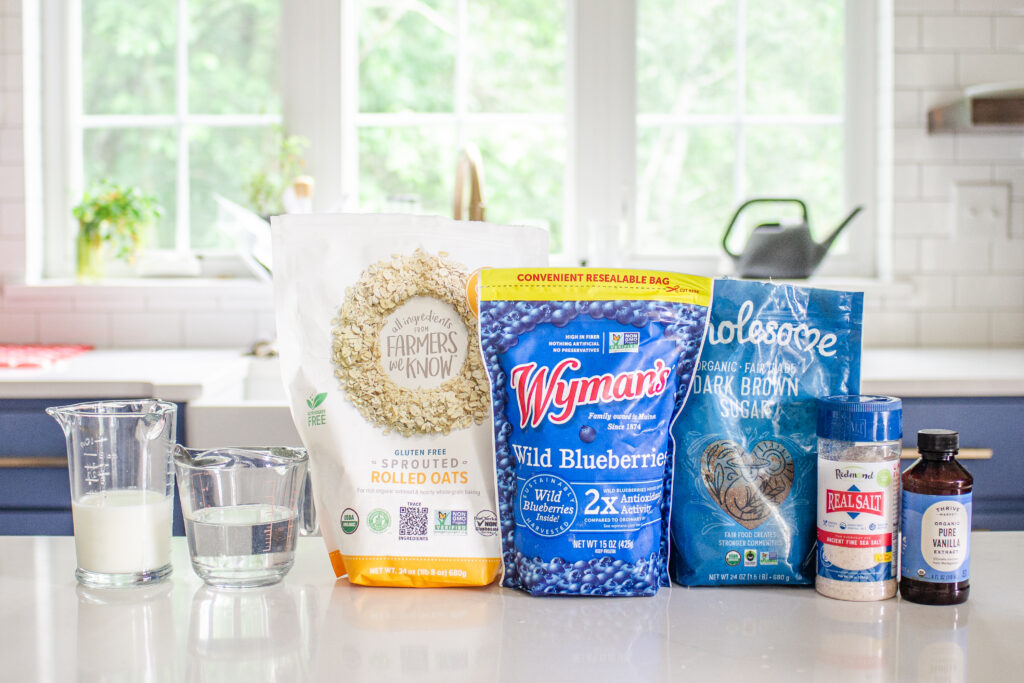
x=314, y=628
x=188, y=374
x=171, y=374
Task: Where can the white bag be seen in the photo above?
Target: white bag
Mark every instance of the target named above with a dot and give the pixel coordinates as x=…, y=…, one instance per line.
x=381, y=361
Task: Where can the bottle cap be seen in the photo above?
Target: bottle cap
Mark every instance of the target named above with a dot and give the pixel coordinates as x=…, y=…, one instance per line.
x=938, y=440
x=860, y=418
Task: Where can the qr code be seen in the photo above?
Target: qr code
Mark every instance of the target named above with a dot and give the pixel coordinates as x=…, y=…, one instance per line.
x=412, y=522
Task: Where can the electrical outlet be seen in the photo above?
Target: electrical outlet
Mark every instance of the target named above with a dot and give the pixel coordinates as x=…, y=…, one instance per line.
x=982, y=210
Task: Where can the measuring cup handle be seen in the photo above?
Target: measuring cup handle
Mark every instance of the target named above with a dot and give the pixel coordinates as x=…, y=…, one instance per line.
x=308, y=525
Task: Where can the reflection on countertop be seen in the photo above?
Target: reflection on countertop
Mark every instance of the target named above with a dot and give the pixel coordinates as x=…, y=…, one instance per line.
x=313, y=628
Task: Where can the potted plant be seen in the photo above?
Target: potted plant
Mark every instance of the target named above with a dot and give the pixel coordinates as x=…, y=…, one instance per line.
x=111, y=216
x=265, y=186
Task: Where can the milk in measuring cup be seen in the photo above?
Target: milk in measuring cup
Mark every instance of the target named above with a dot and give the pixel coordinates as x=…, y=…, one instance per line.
x=122, y=530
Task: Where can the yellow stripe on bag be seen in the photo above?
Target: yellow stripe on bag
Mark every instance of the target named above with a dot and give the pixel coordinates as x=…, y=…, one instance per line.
x=592, y=284
x=417, y=572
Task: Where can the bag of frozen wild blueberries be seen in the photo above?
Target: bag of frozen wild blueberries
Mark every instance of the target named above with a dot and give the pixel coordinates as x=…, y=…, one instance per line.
x=745, y=488
x=381, y=360
x=588, y=369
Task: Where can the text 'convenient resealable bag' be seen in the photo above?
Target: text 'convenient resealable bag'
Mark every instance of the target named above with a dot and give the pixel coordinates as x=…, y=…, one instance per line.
x=745, y=487
x=381, y=361
x=588, y=369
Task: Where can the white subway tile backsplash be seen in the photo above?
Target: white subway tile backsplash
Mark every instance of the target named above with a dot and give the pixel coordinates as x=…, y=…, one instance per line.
x=12, y=146
x=921, y=218
x=994, y=7
x=169, y=299
x=1017, y=220
x=906, y=34
x=146, y=330
x=989, y=291
x=954, y=329
x=956, y=33
x=990, y=147
x=10, y=35
x=889, y=328
x=905, y=252
x=1013, y=175
x=924, y=71
x=12, y=183
x=12, y=219
x=11, y=69
x=906, y=181
x=1007, y=329
x=75, y=328
x=1008, y=257
x=18, y=328
x=220, y=329
x=11, y=108
x=915, y=145
x=906, y=108
x=1010, y=33
x=934, y=291
x=955, y=256
x=992, y=68
x=938, y=181
x=923, y=6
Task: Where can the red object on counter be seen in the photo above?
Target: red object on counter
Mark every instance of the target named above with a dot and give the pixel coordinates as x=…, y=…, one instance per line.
x=38, y=355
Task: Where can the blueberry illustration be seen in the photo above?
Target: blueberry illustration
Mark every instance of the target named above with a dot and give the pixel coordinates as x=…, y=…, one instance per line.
x=587, y=434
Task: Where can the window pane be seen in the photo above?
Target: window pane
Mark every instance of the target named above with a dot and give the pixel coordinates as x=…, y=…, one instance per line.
x=408, y=169
x=144, y=158
x=794, y=57
x=234, y=57
x=524, y=168
x=684, y=186
x=128, y=52
x=516, y=56
x=798, y=161
x=407, y=56
x=223, y=160
x=686, y=56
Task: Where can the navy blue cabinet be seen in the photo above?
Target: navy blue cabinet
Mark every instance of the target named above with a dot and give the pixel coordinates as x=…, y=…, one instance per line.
x=35, y=493
x=996, y=424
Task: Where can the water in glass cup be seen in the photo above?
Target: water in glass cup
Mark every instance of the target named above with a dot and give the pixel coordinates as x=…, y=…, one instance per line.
x=241, y=510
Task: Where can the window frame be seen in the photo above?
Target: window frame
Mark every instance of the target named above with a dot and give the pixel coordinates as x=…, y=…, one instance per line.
x=63, y=136
x=320, y=100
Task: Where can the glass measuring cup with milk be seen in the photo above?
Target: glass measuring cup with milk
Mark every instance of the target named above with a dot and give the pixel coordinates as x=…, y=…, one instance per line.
x=122, y=481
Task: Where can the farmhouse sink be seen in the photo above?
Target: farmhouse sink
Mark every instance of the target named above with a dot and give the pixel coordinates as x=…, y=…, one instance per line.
x=250, y=411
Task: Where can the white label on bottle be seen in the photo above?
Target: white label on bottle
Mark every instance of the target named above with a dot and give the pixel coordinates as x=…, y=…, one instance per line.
x=944, y=526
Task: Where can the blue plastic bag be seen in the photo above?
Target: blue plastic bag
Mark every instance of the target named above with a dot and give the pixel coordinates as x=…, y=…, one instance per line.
x=745, y=488
x=588, y=369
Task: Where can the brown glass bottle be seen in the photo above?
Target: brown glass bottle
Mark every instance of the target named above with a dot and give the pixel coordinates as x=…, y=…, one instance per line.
x=938, y=482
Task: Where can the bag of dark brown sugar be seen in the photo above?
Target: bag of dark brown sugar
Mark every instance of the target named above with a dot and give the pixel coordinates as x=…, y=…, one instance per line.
x=745, y=487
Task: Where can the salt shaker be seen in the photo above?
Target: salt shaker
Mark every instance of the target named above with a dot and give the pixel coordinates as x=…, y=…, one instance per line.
x=859, y=444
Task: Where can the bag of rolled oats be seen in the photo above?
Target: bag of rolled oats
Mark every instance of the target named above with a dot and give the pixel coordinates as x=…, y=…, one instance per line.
x=381, y=361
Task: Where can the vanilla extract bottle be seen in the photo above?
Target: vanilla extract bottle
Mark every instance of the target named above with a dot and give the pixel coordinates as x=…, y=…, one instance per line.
x=936, y=522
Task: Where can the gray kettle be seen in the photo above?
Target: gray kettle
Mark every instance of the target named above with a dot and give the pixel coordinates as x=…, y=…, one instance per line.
x=781, y=250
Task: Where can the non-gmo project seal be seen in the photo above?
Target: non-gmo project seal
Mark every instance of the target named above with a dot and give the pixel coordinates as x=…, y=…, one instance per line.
x=486, y=523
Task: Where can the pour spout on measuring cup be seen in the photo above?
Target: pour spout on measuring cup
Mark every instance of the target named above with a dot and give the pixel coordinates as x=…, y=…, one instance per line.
x=62, y=415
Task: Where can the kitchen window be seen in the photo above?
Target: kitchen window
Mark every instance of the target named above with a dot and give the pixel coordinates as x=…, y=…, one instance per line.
x=631, y=130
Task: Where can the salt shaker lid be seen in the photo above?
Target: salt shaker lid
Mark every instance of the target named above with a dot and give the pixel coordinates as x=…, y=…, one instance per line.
x=860, y=418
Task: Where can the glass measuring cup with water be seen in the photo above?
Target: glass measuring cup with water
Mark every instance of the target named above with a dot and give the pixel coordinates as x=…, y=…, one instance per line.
x=122, y=480
x=241, y=510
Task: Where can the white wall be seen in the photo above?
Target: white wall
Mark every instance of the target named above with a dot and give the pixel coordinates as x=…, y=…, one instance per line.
x=967, y=285
x=955, y=287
